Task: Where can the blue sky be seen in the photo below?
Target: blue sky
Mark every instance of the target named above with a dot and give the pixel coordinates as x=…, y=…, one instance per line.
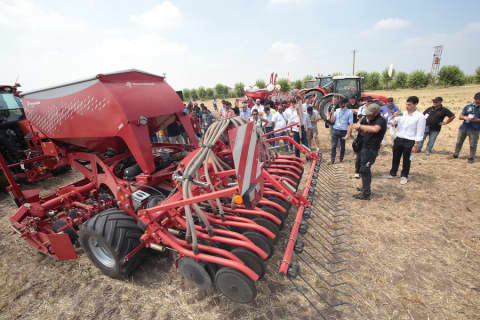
x=201, y=43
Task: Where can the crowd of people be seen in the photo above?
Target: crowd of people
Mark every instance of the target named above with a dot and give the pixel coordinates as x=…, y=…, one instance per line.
x=367, y=122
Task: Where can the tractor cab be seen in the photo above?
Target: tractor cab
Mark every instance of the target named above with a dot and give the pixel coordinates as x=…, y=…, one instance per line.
x=11, y=108
x=12, y=141
x=319, y=82
x=348, y=86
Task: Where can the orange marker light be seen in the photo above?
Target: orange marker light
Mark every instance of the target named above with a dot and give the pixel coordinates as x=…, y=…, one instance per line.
x=237, y=199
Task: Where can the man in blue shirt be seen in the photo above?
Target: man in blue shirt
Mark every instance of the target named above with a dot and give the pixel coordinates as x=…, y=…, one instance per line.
x=245, y=111
x=470, y=127
x=386, y=111
x=341, y=119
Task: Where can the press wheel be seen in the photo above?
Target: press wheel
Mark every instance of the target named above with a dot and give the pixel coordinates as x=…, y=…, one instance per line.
x=260, y=241
x=195, y=273
x=235, y=285
x=251, y=260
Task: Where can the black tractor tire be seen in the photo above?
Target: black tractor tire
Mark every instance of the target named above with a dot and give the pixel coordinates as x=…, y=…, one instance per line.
x=316, y=93
x=324, y=105
x=107, y=238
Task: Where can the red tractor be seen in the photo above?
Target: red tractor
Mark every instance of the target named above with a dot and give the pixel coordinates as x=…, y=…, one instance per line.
x=216, y=207
x=22, y=149
x=322, y=85
x=345, y=86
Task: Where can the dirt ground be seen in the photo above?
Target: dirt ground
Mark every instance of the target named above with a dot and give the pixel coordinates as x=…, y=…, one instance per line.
x=415, y=251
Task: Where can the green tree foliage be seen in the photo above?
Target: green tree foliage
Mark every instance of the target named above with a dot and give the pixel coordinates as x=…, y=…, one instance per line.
x=400, y=80
x=297, y=84
x=386, y=79
x=451, y=76
x=260, y=84
x=210, y=93
x=284, y=85
x=186, y=94
x=372, y=81
x=308, y=77
x=194, y=94
x=417, y=79
x=470, y=79
x=202, y=93
x=221, y=90
x=477, y=75
x=239, y=89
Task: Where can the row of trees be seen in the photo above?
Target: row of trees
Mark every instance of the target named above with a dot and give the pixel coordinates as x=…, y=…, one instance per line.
x=448, y=76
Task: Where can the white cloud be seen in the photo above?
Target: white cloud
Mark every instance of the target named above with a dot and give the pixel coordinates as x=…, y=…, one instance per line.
x=387, y=24
x=24, y=14
x=287, y=50
x=162, y=16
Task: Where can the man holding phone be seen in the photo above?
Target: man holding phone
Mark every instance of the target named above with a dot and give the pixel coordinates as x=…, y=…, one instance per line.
x=470, y=127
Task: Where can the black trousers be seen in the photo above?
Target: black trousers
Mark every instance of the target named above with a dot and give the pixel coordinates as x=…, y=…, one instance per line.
x=357, y=162
x=367, y=159
x=402, y=148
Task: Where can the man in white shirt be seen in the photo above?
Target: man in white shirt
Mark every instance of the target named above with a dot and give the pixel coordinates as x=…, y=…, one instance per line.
x=269, y=116
x=299, y=135
x=258, y=107
x=280, y=122
x=410, y=130
x=288, y=114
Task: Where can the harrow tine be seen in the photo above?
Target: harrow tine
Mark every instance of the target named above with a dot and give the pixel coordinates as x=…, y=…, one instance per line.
x=306, y=298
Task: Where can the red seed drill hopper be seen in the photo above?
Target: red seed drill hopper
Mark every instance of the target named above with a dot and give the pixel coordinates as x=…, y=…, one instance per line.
x=216, y=207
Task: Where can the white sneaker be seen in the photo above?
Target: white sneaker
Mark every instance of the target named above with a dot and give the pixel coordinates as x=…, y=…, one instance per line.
x=357, y=175
x=403, y=180
x=388, y=176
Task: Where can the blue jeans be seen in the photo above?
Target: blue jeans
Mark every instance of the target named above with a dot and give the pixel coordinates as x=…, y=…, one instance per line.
x=432, y=136
x=337, y=136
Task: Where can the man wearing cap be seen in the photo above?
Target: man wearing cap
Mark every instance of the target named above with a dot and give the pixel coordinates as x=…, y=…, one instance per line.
x=470, y=127
x=372, y=129
x=341, y=119
x=434, y=121
x=410, y=130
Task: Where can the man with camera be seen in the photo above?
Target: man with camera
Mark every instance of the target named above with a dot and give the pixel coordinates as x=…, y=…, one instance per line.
x=372, y=129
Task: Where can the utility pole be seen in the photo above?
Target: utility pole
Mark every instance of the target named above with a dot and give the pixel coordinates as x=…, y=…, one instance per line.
x=353, y=69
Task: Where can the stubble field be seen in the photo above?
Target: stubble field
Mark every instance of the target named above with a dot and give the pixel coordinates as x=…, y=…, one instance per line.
x=415, y=252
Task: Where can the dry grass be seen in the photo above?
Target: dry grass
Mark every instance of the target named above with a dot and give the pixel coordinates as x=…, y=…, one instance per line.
x=417, y=253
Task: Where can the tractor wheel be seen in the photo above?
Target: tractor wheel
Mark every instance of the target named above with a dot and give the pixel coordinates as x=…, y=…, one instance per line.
x=251, y=260
x=235, y=285
x=314, y=93
x=270, y=225
x=107, y=238
x=325, y=104
x=260, y=241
